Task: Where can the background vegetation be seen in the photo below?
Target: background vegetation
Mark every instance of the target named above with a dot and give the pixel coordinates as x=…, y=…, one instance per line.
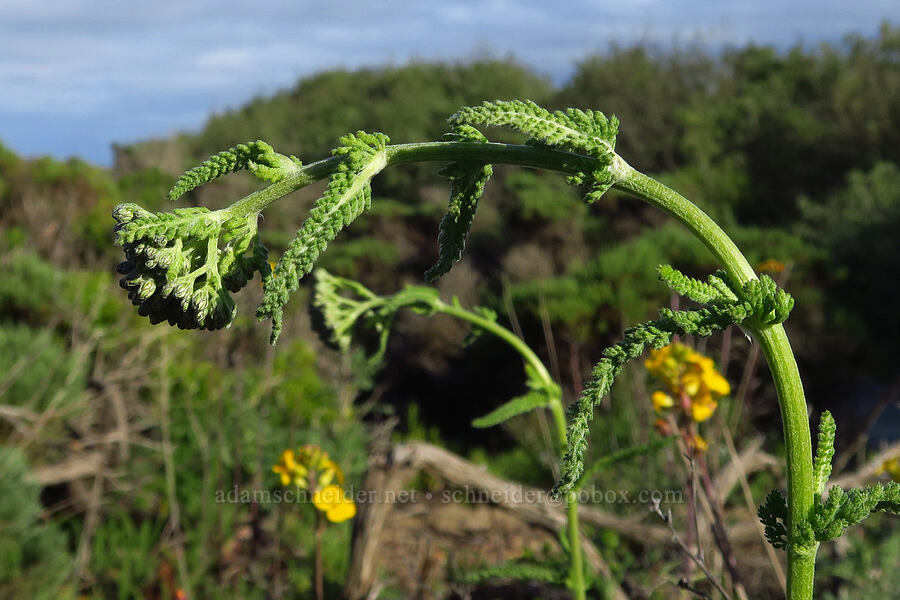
x=116, y=434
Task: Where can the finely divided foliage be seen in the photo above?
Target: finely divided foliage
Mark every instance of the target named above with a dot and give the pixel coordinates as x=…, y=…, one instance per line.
x=824, y=451
x=347, y=196
x=577, y=130
x=467, y=180
x=723, y=306
x=339, y=305
x=361, y=156
x=831, y=516
x=258, y=157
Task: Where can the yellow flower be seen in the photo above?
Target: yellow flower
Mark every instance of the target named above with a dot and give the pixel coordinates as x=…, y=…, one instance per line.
x=715, y=383
x=698, y=443
x=702, y=408
x=687, y=373
x=331, y=501
x=656, y=359
x=891, y=467
x=662, y=400
x=308, y=468
x=691, y=383
x=289, y=470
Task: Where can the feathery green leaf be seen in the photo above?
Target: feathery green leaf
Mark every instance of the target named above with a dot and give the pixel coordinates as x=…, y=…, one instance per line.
x=513, y=571
x=258, y=157
x=339, y=305
x=539, y=395
x=773, y=515
x=572, y=129
x=769, y=303
x=681, y=284
x=467, y=181
x=511, y=408
x=655, y=334
x=347, y=196
x=844, y=509
x=824, y=452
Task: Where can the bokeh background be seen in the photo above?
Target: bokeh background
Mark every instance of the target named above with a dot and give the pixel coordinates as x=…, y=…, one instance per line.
x=782, y=120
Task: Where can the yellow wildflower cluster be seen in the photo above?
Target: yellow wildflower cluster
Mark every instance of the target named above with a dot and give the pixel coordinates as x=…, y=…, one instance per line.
x=311, y=469
x=690, y=377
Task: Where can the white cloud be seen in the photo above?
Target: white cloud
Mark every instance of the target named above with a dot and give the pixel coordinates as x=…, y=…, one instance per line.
x=118, y=70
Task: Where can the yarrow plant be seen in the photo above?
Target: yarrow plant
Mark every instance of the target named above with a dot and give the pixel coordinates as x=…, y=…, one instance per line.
x=182, y=267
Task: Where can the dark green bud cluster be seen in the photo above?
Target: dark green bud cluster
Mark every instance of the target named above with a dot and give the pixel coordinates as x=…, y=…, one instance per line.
x=180, y=267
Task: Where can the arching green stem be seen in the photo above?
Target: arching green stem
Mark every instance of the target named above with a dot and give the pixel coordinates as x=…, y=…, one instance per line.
x=511, y=154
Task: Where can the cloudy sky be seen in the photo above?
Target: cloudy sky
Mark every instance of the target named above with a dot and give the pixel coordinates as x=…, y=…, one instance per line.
x=77, y=75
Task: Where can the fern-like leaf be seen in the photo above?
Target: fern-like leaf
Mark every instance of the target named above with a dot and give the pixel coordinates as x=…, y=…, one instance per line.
x=258, y=157
x=539, y=395
x=161, y=227
x=844, y=509
x=512, y=571
x=824, y=451
x=337, y=304
x=573, y=129
x=467, y=181
x=689, y=287
x=770, y=304
x=511, y=408
x=760, y=299
x=773, y=515
x=347, y=196
x=721, y=283
x=655, y=335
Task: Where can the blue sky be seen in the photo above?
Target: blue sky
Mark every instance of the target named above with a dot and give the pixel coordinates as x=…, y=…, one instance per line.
x=78, y=75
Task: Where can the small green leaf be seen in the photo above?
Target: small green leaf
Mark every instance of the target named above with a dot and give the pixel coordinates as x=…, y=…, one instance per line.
x=824, y=451
x=517, y=406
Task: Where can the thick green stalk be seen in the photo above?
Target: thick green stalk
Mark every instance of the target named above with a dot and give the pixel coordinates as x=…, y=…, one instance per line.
x=801, y=487
x=511, y=154
x=777, y=350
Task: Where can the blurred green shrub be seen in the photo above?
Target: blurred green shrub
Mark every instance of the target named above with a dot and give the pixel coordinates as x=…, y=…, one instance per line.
x=34, y=557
